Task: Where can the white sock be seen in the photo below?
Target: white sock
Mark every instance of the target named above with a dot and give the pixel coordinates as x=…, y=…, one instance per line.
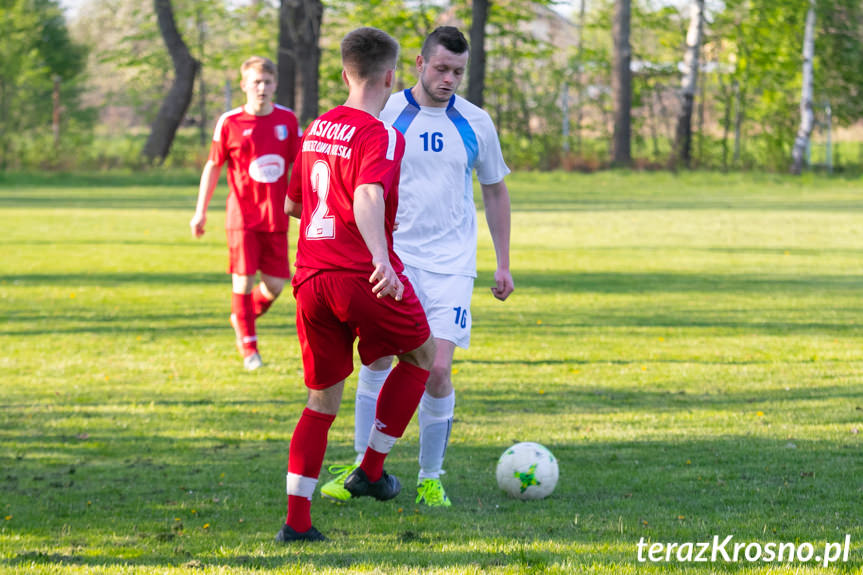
x=368, y=387
x=435, y=419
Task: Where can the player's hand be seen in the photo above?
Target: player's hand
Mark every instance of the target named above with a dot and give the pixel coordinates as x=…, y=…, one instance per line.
x=197, y=224
x=503, y=284
x=386, y=282
x=395, y=225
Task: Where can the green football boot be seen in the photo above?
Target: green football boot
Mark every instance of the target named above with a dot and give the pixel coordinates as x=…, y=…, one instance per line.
x=431, y=492
x=335, y=488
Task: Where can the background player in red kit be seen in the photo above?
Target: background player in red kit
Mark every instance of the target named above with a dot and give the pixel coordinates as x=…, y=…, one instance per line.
x=259, y=142
x=349, y=281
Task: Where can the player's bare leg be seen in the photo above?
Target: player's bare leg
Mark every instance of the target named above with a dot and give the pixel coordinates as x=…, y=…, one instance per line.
x=266, y=292
x=436, y=411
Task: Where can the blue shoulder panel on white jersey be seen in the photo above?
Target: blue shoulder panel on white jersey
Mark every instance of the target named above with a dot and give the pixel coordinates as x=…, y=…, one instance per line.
x=468, y=136
x=408, y=114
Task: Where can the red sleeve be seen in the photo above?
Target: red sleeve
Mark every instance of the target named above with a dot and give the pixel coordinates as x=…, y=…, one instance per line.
x=295, y=190
x=219, y=147
x=381, y=158
x=294, y=136
x=298, y=135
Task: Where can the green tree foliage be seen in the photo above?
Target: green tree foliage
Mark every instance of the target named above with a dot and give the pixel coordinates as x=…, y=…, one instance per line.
x=406, y=20
x=35, y=52
x=746, y=106
x=839, y=58
x=525, y=72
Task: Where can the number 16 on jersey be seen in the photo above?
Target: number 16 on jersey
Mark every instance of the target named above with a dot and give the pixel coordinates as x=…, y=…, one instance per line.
x=321, y=226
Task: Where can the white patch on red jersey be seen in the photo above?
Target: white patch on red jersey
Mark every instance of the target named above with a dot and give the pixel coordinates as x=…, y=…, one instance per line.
x=282, y=132
x=391, y=144
x=247, y=132
x=267, y=169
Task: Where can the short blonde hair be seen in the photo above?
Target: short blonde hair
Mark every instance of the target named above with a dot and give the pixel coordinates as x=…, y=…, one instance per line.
x=258, y=63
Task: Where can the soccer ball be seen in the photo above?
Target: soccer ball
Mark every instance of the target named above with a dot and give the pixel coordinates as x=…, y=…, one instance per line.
x=527, y=471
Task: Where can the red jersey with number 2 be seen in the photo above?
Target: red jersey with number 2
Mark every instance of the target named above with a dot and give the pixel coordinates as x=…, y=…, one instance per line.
x=259, y=151
x=340, y=151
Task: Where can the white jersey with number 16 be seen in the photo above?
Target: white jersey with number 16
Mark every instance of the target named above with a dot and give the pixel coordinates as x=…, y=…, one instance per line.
x=443, y=146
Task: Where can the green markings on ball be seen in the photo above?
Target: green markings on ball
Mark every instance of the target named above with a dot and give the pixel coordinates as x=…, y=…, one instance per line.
x=527, y=478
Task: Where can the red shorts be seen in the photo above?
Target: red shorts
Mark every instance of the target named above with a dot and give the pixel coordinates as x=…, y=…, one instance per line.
x=250, y=251
x=335, y=307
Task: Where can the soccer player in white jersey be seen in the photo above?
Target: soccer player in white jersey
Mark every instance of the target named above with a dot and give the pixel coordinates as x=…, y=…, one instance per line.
x=447, y=139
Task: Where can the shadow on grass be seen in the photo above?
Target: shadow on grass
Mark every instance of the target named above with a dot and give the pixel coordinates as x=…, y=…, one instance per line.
x=177, y=501
x=565, y=399
x=783, y=293
x=177, y=191
x=679, y=282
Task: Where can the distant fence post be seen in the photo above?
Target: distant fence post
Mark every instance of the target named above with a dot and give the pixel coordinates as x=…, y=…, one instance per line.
x=565, y=109
x=828, y=153
x=55, y=122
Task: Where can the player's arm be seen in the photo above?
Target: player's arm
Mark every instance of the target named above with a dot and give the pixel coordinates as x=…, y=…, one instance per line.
x=495, y=197
x=292, y=208
x=209, y=179
x=369, y=210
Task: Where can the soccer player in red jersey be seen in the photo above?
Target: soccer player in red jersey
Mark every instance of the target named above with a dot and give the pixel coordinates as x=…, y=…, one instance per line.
x=349, y=282
x=259, y=142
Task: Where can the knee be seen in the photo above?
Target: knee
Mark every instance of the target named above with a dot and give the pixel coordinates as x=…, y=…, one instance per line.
x=439, y=379
x=272, y=287
x=381, y=364
x=423, y=356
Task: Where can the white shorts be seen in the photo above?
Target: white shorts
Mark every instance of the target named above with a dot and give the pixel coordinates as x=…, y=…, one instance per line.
x=446, y=301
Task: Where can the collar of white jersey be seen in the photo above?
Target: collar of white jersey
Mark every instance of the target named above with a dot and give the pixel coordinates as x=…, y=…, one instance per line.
x=412, y=101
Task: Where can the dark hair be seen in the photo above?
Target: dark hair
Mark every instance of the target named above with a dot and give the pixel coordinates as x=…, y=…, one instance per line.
x=368, y=52
x=449, y=37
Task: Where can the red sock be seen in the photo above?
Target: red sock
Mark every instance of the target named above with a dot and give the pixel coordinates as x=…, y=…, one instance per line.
x=242, y=307
x=397, y=404
x=305, y=457
x=260, y=302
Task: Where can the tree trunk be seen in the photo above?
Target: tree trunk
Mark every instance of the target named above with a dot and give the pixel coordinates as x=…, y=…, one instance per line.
x=651, y=115
x=807, y=114
x=299, y=35
x=4, y=125
x=579, y=78
x=727, y=102
x=309, y=58
x=476, y=67
x=688, y=86
x=739, y=115
x=621, y=84
x=287, y=66
x=204, y=126
x=177, y=101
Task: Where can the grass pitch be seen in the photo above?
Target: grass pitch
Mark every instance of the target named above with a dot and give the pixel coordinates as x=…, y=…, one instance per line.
x=689, y=347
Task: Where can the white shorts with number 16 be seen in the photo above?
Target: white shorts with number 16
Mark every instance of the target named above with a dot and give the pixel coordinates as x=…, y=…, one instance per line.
x=446, y=301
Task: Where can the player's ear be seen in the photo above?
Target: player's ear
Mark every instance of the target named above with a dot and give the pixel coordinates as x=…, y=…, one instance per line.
x=390, y=78
x=420, y=63
x=345, y=78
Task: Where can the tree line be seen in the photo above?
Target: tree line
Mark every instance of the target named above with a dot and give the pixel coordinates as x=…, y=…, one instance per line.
x=764, y=84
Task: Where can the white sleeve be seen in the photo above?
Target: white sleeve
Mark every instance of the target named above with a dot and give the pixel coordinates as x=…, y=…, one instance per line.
x=490, y=165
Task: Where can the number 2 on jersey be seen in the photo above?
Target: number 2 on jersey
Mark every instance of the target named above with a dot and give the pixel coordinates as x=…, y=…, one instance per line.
x=321, y=226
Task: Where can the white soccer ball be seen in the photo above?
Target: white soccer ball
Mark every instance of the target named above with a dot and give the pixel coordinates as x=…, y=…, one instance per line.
x=527, y=471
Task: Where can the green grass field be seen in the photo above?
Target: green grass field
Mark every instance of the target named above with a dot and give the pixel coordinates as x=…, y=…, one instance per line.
x=689, y=347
